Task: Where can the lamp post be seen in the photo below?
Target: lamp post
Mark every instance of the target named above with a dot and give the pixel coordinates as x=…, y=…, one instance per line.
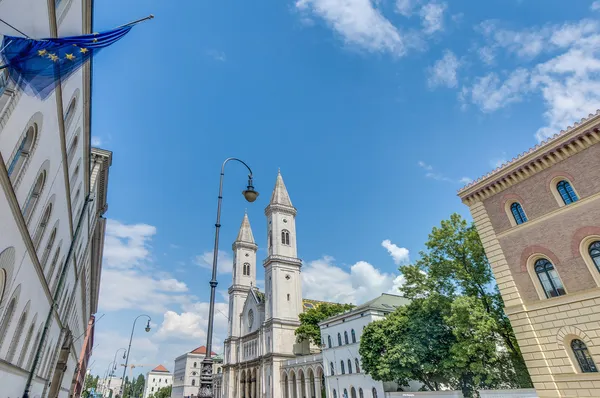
x=147, y=329
x=112, y=372
x=206, y=381
x=106, y=374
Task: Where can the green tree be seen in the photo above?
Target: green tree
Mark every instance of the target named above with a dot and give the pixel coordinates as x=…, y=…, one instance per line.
x=309, y=320
x=412, y=343
x=89, y=383
x=164, y=392
x=453, y=280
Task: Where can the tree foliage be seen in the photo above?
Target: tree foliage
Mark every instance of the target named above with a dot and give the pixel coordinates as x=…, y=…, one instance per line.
x=164, y=392
x=454, y=333
x=310, y=319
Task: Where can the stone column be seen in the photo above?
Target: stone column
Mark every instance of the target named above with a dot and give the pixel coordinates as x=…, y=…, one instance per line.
x=317, y=387
x=298, y=387
x=290, y=389
x=307, y=389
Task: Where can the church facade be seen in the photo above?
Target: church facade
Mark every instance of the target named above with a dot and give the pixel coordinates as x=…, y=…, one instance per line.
x=261, y=337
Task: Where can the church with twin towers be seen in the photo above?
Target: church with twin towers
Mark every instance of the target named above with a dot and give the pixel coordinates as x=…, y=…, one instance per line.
x=260, y=336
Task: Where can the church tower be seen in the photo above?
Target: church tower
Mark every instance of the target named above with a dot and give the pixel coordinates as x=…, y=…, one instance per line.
x=243, y=279
x=283, y=287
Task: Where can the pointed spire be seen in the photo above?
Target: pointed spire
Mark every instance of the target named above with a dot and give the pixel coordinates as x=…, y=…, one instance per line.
x=280, y=194
x=245, y=234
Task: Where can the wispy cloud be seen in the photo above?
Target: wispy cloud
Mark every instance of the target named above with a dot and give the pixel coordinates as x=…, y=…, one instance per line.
x=432, y=17
x=444, y=71
x=435, y=175
x=96, y=141
x=224, y=261
x=359, y=23
x=568, y=79
x=217, y=55
x=595, y=6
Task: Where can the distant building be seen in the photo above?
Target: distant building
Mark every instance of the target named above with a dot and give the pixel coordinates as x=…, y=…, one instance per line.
x=109, y=386
x=157, y=378
x=538, y=217
x=186, y=375
x=344, y=375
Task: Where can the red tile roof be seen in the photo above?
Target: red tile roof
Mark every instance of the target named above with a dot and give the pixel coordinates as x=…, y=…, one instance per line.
x=160, y=368
x=201, y=350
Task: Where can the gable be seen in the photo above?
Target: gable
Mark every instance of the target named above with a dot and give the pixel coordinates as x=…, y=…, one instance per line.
x=252, y=316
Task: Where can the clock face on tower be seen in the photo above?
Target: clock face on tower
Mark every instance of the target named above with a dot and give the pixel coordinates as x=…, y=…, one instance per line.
x=250, y=318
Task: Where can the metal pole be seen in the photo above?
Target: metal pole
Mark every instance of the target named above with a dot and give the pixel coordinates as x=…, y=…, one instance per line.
x=121, y=389
x=206, y=381
x=112, y=372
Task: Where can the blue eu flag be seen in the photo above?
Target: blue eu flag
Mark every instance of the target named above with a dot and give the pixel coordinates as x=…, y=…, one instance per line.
x=35, y=65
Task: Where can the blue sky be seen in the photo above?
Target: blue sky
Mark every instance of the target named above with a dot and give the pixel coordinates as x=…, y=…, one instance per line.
x=375, y=111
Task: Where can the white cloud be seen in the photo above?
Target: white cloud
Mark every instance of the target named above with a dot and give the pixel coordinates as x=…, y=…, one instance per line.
x=595, y=6
x=465, y=180
x=127, y=246
x=406, y=7
x=432, y=17
x=323, y=280
x=487, y=55
x=425, y=165
x=491, y=94
x=96, y=141
x=224, y=261
x=399, y=254
x=132, y=289
x=359, y=23
x=443, y=72
x=567, y=80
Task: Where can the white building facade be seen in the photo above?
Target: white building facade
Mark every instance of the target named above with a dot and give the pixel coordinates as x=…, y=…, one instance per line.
x=186, y=374
x=344, y=375
x=157, y=378
x=52, y=198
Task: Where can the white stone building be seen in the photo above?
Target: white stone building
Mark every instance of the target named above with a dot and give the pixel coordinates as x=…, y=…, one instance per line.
x=186, y=374
x=261, y=325
x=157, y=378
x=51, y=234
x=344, y=376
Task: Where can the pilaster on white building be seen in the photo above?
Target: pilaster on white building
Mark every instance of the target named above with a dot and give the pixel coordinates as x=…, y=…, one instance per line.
x=157, y=378
x=344, y=375
x=53, y=189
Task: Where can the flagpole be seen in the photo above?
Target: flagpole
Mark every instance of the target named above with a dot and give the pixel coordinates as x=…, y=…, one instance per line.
x=137, y=21
x=6, y=23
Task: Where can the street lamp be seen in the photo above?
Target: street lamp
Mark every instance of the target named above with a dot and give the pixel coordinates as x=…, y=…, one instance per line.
x=206, y=381
x=112, y=372
x=106, y=374
x=147, y=328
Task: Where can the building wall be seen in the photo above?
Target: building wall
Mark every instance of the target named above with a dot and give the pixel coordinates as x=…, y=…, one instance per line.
x=186, y=376
x=31, y=267
x=155, y=381
x=344, y=352
x=560, y=233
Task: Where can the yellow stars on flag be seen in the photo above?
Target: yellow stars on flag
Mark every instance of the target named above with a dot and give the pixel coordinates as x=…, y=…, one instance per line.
x=41, y=53
x=70, y=57
x=53, y=57
x=83, y=50
x=95, y=40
